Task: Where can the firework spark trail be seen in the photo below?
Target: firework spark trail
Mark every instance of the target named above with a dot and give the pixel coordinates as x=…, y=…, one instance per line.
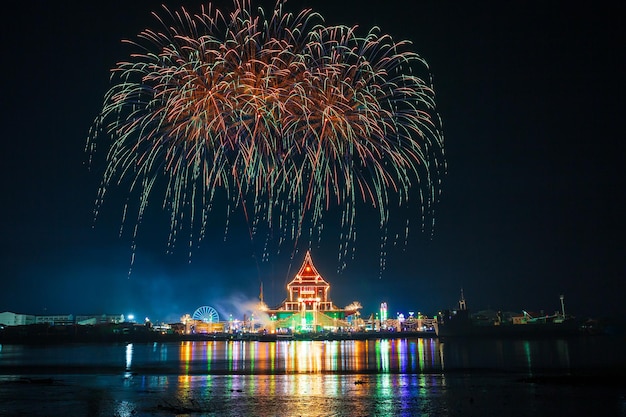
x=286, y=115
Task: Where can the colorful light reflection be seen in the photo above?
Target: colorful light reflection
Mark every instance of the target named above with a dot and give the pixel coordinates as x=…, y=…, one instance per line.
x=302, y=357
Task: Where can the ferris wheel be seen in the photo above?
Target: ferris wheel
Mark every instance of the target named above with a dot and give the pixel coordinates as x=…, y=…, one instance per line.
x=206, y=314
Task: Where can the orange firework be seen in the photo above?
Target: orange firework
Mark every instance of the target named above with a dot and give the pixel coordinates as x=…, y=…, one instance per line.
x=287, y=115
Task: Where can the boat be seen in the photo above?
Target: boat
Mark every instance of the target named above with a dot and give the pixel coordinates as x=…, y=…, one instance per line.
x=461, y=323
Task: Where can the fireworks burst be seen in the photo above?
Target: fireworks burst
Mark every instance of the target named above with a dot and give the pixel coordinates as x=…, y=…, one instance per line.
x=288, y=116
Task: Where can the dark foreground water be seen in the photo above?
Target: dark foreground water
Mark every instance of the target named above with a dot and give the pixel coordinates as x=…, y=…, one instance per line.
x=403, y=377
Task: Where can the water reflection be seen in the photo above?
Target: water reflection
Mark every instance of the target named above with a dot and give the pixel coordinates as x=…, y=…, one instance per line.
x=397, y=356
x=518, y=355
x=129, y=360
x=300, y=394
x=301, y=357
x=400, y=377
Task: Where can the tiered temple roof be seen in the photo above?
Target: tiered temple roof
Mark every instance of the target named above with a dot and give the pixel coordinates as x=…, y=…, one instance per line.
x=308, y=290
x=308, y=305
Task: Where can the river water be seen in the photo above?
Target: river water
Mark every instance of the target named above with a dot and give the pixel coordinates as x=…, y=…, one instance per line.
x=400, y=377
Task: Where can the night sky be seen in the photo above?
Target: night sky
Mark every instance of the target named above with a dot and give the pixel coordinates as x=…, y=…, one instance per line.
x=532, y=100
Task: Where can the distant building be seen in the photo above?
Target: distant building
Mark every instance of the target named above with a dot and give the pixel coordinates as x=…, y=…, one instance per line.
x=99, y=319
x=14, y=319
x=56, y=320
x=308, y=307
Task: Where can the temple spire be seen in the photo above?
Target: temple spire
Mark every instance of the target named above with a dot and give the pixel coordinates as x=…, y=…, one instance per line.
x=462, y=304
x=307, y=269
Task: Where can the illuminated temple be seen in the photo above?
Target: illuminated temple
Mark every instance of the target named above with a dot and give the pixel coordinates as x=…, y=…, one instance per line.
x=308, y=307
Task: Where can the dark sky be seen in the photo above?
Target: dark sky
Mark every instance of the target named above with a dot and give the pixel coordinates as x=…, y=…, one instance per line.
x=532, y=100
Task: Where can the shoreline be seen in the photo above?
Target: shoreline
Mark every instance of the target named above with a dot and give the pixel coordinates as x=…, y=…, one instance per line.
x=146, y=336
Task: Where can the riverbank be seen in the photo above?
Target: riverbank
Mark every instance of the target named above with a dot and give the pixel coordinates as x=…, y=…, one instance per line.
x=46, y=334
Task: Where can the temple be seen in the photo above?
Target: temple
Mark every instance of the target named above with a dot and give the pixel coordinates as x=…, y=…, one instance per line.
x=308, y=307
